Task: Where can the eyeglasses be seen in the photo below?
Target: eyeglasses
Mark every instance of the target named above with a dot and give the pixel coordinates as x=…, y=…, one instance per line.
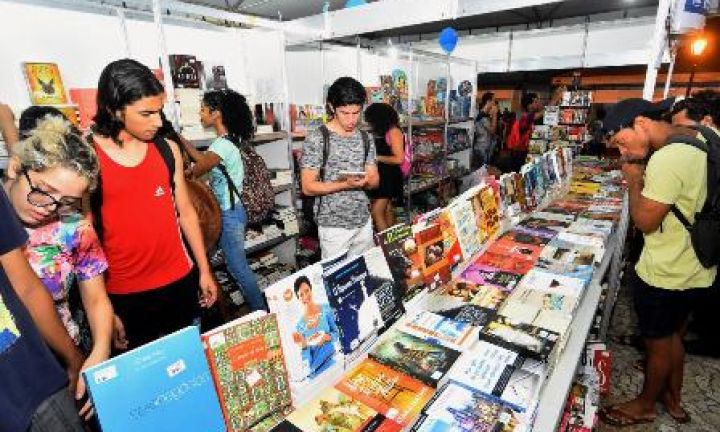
x=65, y=206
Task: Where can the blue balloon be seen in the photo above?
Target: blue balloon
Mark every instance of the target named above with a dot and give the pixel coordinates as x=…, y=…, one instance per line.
x=353, y=3
x=448, y=39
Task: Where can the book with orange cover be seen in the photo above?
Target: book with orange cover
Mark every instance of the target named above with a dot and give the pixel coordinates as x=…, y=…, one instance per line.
x=506, y=245
x=486, y=208
x=501, y=261
x=393, y=394
x=44, y=84
x=431, y=256
x=248, y=368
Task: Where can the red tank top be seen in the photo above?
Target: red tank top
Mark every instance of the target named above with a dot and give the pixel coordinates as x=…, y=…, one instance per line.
x=141, y=232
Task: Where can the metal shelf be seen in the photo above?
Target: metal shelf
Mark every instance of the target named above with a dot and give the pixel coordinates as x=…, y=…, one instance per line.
x=269, y=243
x=282, y=188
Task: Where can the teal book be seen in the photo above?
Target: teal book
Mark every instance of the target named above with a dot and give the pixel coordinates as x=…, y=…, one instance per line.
x=165, y=385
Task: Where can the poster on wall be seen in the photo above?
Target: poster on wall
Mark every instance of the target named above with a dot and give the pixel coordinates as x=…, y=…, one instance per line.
x=185, y=70
x=214, y=76
x=44, y=83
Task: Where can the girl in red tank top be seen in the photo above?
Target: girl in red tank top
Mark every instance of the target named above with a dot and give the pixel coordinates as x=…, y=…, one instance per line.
x=150, y=276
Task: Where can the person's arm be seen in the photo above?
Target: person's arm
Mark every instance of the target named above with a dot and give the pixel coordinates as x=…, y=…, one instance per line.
x=647, y=214
x=204, y=161
x=493, y=119
x=312, y=186
x=38, y=302
x=7, y=127
x=397, y=145
x=190, y=226
x=372, y=176
x=100, y=318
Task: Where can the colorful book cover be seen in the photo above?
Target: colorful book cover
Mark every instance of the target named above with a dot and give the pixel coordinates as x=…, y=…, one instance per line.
x=398, y=244
x=454, y=294
x=356, y=311
x=248, y=368
x=336, y=411
x=159, y=386
x=512, y=264
x=270, y=422
x=393, y=394
x=309, y=335
x=450, y=238
x=506, y=245
x=545, y=224
x=431, y=255
x=519, y=188
x=528, y=340
x=490, y=276
x=570, y=259
x=438, y=329
x=457, y=408
x=44, y=83
x=489, y=296
x=524, y=235
x=413, y=356
x=86, y=101
x=185, y=71
x=489, y=208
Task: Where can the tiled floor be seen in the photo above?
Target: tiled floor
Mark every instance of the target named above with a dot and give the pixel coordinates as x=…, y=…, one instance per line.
x=701, y=388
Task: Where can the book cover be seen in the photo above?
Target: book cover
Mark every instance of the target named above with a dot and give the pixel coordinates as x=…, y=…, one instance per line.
x=528, y=340
x=469, y=236
x=490, y=276
x=570, y=259
x=161, y=386
x=439, y=329
x=248, y=367
x=382, y=286
x=308, y=332
x=506, y=245
x=519, y=188
x=270, y=422
x=393, y=394
x=553, y=283
x=398, y=245
x=450, y=238
x=545, y=224
x=454, y=294
x=44, y=83
x=336, y=411
x=457, y=408
x=86, y=101
x=489, y=296
x=413, y=356
x=431, y=255
x=545, y=300
x=356, y=311
x=185, y=71
x=513, y=264
x=524, y=235
x=474, y=315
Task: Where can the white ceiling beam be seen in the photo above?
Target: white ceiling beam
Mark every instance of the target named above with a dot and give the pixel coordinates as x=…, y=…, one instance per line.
x=391, y=14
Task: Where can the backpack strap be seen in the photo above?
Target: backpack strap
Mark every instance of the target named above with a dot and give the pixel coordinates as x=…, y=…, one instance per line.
x=366, y=146
x=325, y=154
x=166, y=152
x=231, y=184
x=698, y=144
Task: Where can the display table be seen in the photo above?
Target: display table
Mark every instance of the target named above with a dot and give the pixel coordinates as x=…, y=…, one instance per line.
x=557, y=386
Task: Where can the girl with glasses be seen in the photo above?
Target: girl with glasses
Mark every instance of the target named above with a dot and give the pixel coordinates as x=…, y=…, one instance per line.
x=49, y=172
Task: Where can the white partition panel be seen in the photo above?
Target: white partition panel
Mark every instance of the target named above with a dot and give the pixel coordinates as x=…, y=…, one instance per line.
x=304, y=65
x=264, y=55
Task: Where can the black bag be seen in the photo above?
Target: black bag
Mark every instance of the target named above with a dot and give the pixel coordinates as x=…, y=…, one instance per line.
x=311, y=204
x=705, y=231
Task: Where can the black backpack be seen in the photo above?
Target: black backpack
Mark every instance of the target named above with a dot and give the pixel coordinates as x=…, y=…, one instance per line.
x=705, y=231
x=311, y=205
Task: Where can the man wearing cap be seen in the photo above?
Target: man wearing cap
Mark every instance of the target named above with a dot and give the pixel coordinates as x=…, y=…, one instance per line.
x=669, y=278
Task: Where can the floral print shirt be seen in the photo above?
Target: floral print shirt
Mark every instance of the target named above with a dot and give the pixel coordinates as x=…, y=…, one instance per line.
x=61, y=251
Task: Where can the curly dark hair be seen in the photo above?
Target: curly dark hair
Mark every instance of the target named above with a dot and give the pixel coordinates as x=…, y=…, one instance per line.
x=299, y=282
x=236, y=114
x=382, y=117
x=122, y=83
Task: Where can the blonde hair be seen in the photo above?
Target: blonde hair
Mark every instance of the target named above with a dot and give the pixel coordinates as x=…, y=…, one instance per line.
x=55, y=142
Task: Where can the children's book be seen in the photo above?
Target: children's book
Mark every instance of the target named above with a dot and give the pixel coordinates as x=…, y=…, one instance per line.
x=165, y=385
x=411, y=355
x=393, y=394
x=44, y=83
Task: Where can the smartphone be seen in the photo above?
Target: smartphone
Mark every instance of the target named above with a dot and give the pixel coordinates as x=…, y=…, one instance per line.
x=349, y=174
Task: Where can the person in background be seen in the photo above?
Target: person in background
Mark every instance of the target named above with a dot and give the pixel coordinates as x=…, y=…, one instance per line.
x=7, y=127
x=52, y=161
x=36, y=391
x=596, y=147
x=342, y=208
x=142, y=214
x=703, y=108
x=486, y=128
x=520, y=130
x=228, y=113
x=390, y=148
x=669, y=279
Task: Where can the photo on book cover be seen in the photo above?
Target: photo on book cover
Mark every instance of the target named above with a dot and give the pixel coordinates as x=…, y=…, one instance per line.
x=308, y=331
x=398, y=245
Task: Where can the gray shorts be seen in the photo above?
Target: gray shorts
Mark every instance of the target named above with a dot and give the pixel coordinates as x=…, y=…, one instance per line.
x=57, y=414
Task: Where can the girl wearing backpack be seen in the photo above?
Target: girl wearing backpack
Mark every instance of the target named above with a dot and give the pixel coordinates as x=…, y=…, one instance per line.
x=390, y=147
x=143, y=212
x=228, y=113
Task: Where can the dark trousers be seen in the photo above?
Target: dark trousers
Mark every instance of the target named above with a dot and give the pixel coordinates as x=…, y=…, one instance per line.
x=152, y=314
x=57, y=413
